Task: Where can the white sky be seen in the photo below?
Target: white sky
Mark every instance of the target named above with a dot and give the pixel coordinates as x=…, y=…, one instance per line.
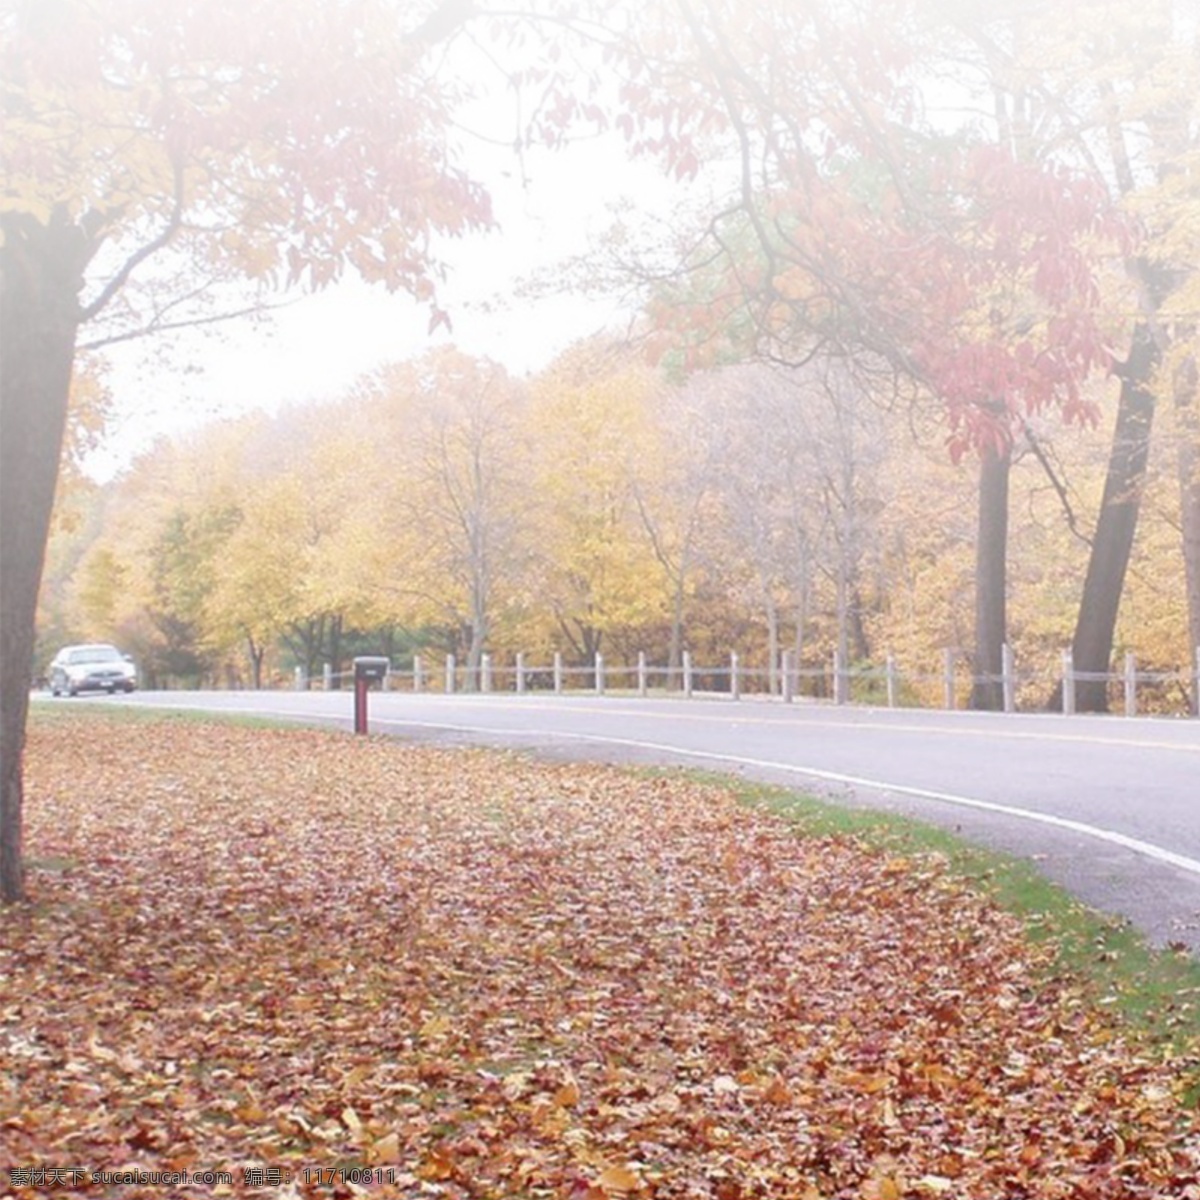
x=316, y=347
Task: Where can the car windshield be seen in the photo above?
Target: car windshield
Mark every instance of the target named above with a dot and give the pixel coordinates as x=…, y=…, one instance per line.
x=95, y=654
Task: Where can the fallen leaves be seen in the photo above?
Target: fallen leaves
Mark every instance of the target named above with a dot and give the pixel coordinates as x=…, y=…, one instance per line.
x=392, y=971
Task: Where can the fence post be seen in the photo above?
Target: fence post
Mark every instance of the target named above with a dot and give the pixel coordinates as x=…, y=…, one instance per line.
x=1068, y=682
x=451, y=671
x=418, y=675
x=1130, y=684
x=520, y=673
x=1008, y=681
x=840, y=680
x=485, y=672
x=687, y=674
x=788, y=677
x=735, y=684
x=299, y=679
x=327, y=677
x=599, y=673
x=891, y=681
x=558, y=673
x=1196, y=685
x=641, y=673
x=948, y=676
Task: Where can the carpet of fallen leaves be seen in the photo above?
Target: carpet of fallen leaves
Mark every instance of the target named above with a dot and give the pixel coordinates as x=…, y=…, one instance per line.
x=338, y=966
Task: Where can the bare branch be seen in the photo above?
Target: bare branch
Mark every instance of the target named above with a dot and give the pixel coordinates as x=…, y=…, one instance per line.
x=156, y=326
x=1055, y=482
x=743, y=134
x=152, y=247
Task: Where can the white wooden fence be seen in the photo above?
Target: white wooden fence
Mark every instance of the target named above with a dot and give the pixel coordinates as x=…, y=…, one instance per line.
x=884, y=685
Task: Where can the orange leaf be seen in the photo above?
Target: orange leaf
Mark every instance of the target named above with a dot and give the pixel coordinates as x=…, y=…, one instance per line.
x=439, y=1165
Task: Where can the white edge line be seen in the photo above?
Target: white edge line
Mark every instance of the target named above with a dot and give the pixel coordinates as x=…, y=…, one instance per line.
x=1008, y=810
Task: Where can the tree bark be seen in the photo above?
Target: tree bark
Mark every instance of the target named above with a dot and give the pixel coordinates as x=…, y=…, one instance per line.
x=772, y=614
x=335, y=650
x=675, y=641
x=256, y=652
x=1119, y=509
x=476, y=647
x=991, y=579
x=1187, y=386
x=41, y=273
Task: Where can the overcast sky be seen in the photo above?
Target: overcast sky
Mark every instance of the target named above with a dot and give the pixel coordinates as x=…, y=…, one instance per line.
x=550, y=208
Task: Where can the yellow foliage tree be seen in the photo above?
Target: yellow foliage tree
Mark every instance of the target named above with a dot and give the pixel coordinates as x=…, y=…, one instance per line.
x=596, y=576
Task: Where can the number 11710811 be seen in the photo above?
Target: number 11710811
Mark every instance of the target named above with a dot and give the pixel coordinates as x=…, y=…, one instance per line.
x=362, y=1176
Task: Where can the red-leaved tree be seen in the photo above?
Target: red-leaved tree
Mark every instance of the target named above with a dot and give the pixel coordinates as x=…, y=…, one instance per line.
x=859, y=221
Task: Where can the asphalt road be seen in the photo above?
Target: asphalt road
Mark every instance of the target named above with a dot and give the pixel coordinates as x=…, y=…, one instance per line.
x=1107, y=806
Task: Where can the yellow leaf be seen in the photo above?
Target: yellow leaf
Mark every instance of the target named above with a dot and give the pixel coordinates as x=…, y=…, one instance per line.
x=351, y=1121
x=567, y=1096
x=666, y=1102
x=938, y=1184
x=869, y=1084
x=619, y=1179
x=103, y=1053
x=387, y=1149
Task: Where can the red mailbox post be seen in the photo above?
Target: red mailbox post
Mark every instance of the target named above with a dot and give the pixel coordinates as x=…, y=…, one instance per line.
x=367, y=670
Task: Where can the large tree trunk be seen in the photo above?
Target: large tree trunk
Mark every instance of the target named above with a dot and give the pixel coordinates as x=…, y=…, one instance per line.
x=40, y=277
x=1187, y=384
x=991, y=579
x=1119, y=509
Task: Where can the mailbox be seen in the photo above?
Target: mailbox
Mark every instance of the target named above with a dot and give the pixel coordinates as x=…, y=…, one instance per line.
x=371, y=669
x=367, y=670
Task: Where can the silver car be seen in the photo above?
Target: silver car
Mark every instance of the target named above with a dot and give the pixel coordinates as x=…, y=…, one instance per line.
x=96, y=668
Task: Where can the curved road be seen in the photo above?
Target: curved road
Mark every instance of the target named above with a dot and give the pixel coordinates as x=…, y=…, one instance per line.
x=1109, y=807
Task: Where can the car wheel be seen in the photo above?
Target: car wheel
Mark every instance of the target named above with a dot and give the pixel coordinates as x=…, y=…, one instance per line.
x=128, y=688
x=72, y=690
